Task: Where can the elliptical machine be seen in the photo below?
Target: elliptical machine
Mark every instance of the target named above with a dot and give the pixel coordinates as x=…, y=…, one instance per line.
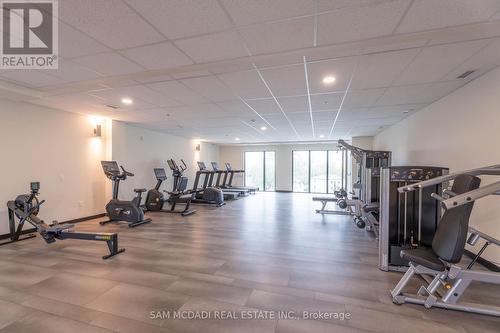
x=155, y=199
x=123, y=210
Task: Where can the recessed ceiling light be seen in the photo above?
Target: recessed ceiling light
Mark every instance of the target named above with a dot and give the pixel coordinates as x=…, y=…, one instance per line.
x=329, y=79
x=321, y=136
x=263, y=128
x=127, y=101
x=237, y=139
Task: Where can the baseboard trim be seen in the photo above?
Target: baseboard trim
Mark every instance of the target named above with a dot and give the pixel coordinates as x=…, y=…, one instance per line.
x=85, y=218
x=486, y=263
x=283, y=191
x=74, y=221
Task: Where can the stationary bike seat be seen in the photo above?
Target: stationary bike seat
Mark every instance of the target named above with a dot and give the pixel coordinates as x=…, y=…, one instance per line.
x=139, y=190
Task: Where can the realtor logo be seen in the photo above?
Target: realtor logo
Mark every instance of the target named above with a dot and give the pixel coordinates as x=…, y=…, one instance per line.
x=29, y=34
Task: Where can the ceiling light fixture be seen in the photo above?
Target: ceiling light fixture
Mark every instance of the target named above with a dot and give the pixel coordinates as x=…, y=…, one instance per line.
x=329, y=79
x=406, y=111
x=127, y=101
x=263, y=128
x=237, y=139
x=321, y=136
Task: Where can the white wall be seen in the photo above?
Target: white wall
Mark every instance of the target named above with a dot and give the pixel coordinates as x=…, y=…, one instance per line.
x=460, y=131
x=56, y=148
x=141, y=150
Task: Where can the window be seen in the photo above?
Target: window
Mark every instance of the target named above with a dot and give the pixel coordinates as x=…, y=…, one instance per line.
x=300, y=161
x=269, y=171
x=335, y=171
x=317, y=171
x=260, y=170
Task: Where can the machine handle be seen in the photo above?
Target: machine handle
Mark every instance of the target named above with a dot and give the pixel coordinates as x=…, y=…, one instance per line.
x=183, y=166
x=125, y=172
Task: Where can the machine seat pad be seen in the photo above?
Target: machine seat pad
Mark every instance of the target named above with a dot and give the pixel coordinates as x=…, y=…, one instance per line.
x=139, y=190
x=325, y=199
x=425, y=257
x=371, y=208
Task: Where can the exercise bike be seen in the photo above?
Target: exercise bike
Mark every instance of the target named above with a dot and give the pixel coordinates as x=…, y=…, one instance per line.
x=123, y=210
x=155, y=200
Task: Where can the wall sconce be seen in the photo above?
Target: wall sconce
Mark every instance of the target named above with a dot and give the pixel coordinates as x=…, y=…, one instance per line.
x=198, y=147
x=97, y=130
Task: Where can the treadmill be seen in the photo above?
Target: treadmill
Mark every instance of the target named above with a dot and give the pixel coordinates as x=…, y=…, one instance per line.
x=221, y=181
x=209, y=179
x=228, y=179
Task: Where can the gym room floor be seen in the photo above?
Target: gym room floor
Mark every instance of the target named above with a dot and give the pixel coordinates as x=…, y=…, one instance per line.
x=279, y=257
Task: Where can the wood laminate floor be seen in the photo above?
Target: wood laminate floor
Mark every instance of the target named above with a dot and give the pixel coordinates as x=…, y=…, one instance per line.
x=265, y=252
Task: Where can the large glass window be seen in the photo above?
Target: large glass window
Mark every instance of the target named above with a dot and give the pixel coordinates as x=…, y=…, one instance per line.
x=270, y=171
x=317, y=171
x=260, y=170
x=300, y=171
x=335, y=170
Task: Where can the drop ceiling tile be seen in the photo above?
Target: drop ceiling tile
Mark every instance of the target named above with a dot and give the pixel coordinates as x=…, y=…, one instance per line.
x=281, y=36
x=245, y=12
x=181, y=18
x=191, y=74
x=31, y=78
x=377, y=46
x=381, y=111
x=363, y=98
x=236, y=107
x=157, y=56
x=380, y=70
x=149, y=95
x=434, y=62
x=419, y=93
x=114, y=97
x=357, y=23
x=73, y=43
x=210, y=87
x=294, y=104
x=246, y=84
x=154, y=78
x=178, y=92
x=72, y=72
x=481, y=62
x=431, y=14
x=325, y=116
x=328, y=5
x=341, y=69
x=214, y=47
x=286, y=81
x=326, y=101
x=109, y=64
x=111, y=22
x=265, y=106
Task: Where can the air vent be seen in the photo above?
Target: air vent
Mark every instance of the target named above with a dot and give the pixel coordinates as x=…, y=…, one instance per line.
x=465, y=74
x=112, y=106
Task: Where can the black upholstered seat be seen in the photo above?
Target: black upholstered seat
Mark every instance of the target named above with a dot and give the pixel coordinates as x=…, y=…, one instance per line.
x=371, y=208
x=424, y=257
x=324, y=199
x=449, y=240
x=139, y=190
